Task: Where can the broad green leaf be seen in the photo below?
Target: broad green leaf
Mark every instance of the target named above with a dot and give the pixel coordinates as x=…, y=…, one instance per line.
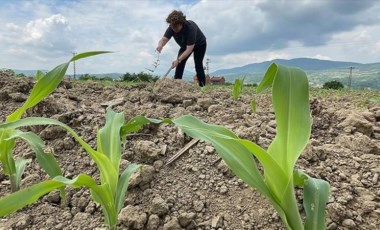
x=6, y=148
x=237, y=153
x=39, y=75
x=270, y=165
x=299, y=177
x=47, y=84
x=291, y=105
x=24, y=197
x=290, y=98
x=136, y=123
x=46, y=160
x=20, y=167
x=292, y=111
x=316, y=194
x=268, y=78
x=88, y=54
x=239, y=159
x=107, y=171
x=123, y=185
x=109, y=142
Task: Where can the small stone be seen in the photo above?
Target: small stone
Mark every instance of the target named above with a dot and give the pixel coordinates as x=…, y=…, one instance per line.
x=23, y=222
x=209, y=149
x=205, y=103
x=332, y=226
x=159, y=206
x=91, y=207
x=153, y=222
x=53, y=197
x=187, y=103
x=147, y=150
x=142, y=177
x=349, y=223
x=185, y=218
x=82, y=203
x=158, y=165
x=172, y=225
x=246, y=217
x=214, y=109
x=375, y=178
x=223, y=189
x=18, y=97
x=133, y=217
x=198, y=205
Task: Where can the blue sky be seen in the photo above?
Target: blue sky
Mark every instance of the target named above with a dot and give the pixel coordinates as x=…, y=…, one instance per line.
x=40, y=34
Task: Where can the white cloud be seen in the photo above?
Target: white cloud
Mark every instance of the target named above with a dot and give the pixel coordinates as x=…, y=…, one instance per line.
x=43, y=33
x=322, y=57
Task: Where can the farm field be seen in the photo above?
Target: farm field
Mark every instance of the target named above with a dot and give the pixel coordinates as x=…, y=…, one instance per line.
x=197, y=190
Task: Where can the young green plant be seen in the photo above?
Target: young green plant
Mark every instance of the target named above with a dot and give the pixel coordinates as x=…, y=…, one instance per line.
x=45, y=85
x=237, y=88
x=290, y=96
x=110, y=192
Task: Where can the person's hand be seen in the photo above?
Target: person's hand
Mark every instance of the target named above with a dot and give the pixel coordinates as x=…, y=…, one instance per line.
x=159, y=48
x=175, y=63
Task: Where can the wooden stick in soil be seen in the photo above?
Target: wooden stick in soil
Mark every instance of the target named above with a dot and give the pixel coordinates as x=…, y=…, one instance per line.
x=166, y=74
x=181, y=151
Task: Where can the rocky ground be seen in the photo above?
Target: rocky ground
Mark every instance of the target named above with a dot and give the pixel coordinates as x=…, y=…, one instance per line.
x=196, y=191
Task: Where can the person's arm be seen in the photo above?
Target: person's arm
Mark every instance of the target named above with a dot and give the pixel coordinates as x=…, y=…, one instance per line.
x=162, y=43
x=183, y=55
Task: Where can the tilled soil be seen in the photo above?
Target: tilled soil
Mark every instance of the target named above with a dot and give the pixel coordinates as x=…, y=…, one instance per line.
x=196, y=191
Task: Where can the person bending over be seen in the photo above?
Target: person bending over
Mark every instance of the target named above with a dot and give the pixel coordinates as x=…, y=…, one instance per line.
x=190, y=40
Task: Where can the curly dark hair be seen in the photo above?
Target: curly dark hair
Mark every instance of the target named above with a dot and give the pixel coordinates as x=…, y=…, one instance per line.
x=176, y=18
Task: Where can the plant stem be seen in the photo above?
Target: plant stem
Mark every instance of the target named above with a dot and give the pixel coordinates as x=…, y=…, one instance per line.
x=14, y=185
x=293, y=217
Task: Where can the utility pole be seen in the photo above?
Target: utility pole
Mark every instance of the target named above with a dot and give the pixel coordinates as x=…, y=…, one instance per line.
x=74, y=53
x=350, y=76
x=207, y=66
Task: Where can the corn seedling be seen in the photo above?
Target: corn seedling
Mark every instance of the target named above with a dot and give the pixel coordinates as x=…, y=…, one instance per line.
x=290, y=97
x=237, y=88
x=253, y=105
x=111, y=191
x=45, y=85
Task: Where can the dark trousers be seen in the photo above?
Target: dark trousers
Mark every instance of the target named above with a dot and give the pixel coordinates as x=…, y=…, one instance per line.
x=198, y=53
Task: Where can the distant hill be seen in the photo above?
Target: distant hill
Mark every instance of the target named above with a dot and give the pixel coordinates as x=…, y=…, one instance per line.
x=318, y=71
x=307, y=64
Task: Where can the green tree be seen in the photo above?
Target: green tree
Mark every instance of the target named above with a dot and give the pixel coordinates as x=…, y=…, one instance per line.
x=333, y=85
x=139, y=77
x=8, y=72
x=87, y=77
